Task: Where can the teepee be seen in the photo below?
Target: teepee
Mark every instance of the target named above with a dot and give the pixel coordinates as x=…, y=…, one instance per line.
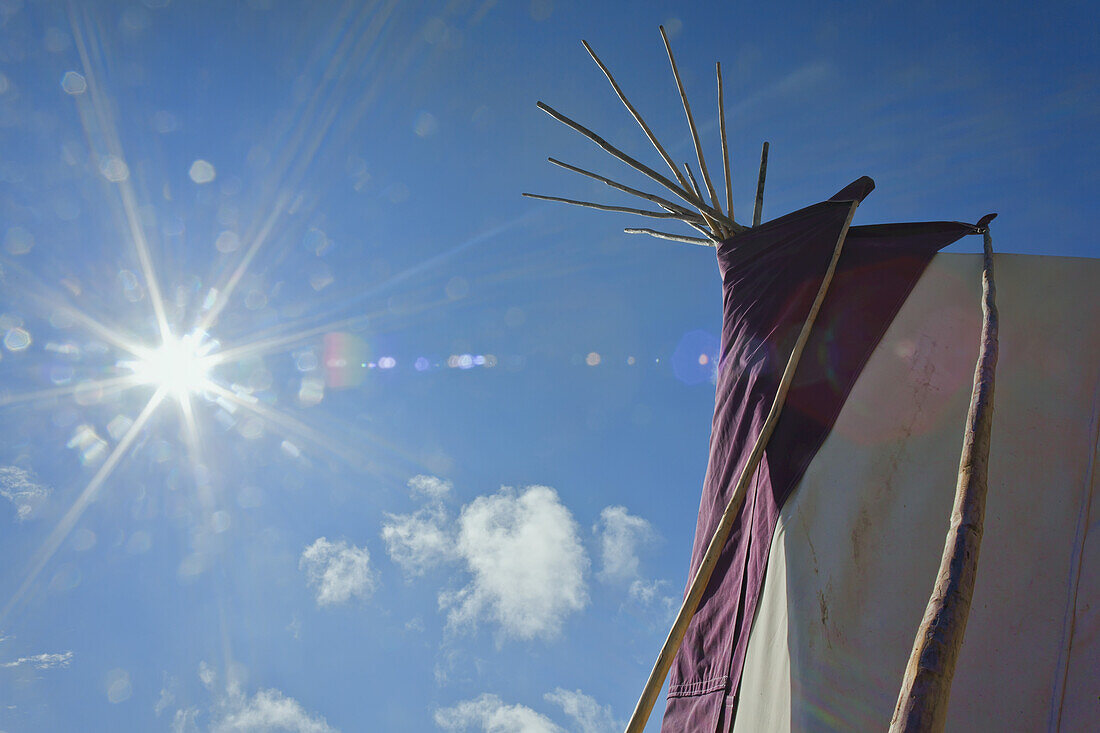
x=779, y=417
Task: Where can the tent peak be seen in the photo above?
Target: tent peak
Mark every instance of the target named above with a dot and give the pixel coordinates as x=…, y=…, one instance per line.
x=704, y=212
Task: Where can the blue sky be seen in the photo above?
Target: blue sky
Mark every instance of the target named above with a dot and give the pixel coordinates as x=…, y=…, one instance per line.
x=444, y=474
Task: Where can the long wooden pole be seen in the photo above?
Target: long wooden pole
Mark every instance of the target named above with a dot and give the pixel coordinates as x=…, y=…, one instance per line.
x=687, y=196
x=758, y=210
x=662, y=202
x=725, y=524
x=725, y=147
x=637, y=116
x=926, y=687
x=691, y=123
x=605, y=207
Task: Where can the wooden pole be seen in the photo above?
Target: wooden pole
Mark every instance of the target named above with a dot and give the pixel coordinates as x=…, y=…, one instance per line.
x=926, y=687
x=663, y=203
x=637, y=117
x=672, y=237
x=691, y=123
x=691, y=179
x=606, y=207
x=636, y=165
x=725, y=149
x=725, y=524
x=758, y=210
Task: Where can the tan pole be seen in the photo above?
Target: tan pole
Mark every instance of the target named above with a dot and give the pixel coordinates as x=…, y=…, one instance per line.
x=718, y=541
x=926, y=687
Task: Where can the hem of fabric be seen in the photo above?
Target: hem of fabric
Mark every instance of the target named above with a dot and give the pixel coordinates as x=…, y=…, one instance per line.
x=701, y=687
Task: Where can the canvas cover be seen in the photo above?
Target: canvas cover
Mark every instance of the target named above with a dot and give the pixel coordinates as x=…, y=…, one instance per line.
x=770, y=275
x=857, y=545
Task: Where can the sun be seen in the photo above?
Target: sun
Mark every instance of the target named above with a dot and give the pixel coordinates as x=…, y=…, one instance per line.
x=179, y=366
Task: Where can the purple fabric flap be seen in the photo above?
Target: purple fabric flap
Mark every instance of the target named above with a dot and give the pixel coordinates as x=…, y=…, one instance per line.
x=770, y=275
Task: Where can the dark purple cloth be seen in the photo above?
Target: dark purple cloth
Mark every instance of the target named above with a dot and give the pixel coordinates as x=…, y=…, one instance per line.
x=770, y=276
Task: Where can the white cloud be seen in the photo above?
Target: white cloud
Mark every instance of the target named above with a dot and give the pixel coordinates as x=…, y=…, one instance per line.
x=647, y=592
x=19, y=487
x=167, y=695
x=41, y=661
x=429, y=486
x=522, y=551
x=207, y=675
x=419, y=541
x=526, y=561
x=267, y=710
x=338, y=571
x=621, y=534
x=422, y=540
x=490, y=714
x=588, y=715
x=184, y=721
x=234, y=712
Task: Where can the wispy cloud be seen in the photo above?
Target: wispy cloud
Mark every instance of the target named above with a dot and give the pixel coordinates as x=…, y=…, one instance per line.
x=166, y=698
x=268, y=710
x=41, y=661
x=588, y=715
x=185, y=721
x=490, y=714
x=430, y=486
x=422, y=540
x=621, y=534
x=338, y=571
x=20, y=488
x=622, y=537
x=235, y=712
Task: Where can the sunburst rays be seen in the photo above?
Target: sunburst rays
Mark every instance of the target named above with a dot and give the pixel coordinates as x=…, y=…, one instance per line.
x=352, y=41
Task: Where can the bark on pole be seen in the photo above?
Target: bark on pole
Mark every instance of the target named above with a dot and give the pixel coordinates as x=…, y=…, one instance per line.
x=926, y=687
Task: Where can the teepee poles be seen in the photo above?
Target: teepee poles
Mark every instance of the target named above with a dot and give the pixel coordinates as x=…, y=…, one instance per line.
x=637, y=117
x=663, y=203
x=926, y=687
x=705, y=217
x=758, y=210
x=690, y=121
x=606, y=207
x=687, y=196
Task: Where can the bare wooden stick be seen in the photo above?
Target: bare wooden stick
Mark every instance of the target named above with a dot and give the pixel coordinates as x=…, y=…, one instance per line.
x=758, y=210
x=663, y=203
x=687, y=196
x=691, y=123
x=672, y=237
x=637, y=117
x=640, y=167
x=721, y=533
x=716, y=228
x=691, y=180
x=926, y=687
x=696, y=224
x=606, y=207
x=725, y=150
